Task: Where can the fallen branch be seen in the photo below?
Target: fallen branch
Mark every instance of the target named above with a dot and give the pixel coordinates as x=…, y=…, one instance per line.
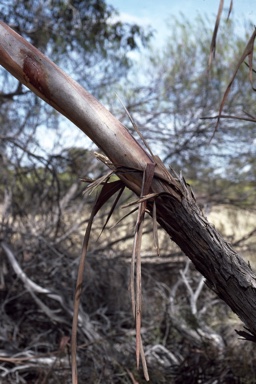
x=83, y=319
x=32, y=287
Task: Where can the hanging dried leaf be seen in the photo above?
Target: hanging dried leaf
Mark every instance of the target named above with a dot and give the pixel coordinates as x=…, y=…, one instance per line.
x=230, y=9
x=78, y=291
x=107, y=191
x=136, y=295
x=121, y=189
x=247, y=52
x=141, y=200
x=94, y=184
x=124, y=217
x=136, y=127
x=155, y=233
x=214, y=35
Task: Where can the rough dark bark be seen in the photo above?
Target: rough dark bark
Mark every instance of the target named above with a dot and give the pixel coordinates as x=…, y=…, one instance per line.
x=177, y=212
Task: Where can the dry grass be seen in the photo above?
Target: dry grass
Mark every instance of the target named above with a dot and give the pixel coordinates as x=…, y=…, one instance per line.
x=35, y=348
x=232, y=223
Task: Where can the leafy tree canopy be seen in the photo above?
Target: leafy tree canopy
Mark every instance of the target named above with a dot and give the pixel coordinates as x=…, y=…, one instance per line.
x=84, y=38
x=82, y=35
x=175, y=93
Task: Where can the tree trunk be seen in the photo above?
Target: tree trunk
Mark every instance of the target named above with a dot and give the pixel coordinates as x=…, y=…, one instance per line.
x=177, y=212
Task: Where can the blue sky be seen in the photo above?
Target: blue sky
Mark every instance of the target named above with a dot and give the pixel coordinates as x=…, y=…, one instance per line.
x=156, y=13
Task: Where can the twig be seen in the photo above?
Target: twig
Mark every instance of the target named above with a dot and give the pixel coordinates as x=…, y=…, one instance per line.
x=33, y=287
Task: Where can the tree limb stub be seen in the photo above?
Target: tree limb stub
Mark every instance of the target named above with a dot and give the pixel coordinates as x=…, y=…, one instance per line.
x=177, y=212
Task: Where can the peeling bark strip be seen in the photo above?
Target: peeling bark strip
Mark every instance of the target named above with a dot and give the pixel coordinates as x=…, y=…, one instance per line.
x=34, y=74
x=177, y=212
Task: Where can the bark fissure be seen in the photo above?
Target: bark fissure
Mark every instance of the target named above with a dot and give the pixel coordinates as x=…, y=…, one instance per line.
x=226, y=272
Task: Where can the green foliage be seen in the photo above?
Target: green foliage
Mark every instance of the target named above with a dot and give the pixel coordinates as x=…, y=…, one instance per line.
x=85, y=38
x=177, y=91
x=80, y=35
x=86, y=26
x=91, y=44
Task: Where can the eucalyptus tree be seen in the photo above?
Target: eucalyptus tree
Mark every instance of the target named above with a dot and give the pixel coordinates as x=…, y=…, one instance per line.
x=176, y=99
x=87, y=40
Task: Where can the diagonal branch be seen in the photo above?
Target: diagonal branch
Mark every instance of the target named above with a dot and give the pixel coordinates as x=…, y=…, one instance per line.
x=176, y=209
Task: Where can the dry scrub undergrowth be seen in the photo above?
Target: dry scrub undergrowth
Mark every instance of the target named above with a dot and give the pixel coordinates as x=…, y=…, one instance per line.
x=36, y=327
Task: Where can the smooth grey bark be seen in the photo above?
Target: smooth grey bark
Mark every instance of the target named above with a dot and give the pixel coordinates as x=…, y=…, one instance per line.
x=177, y=212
